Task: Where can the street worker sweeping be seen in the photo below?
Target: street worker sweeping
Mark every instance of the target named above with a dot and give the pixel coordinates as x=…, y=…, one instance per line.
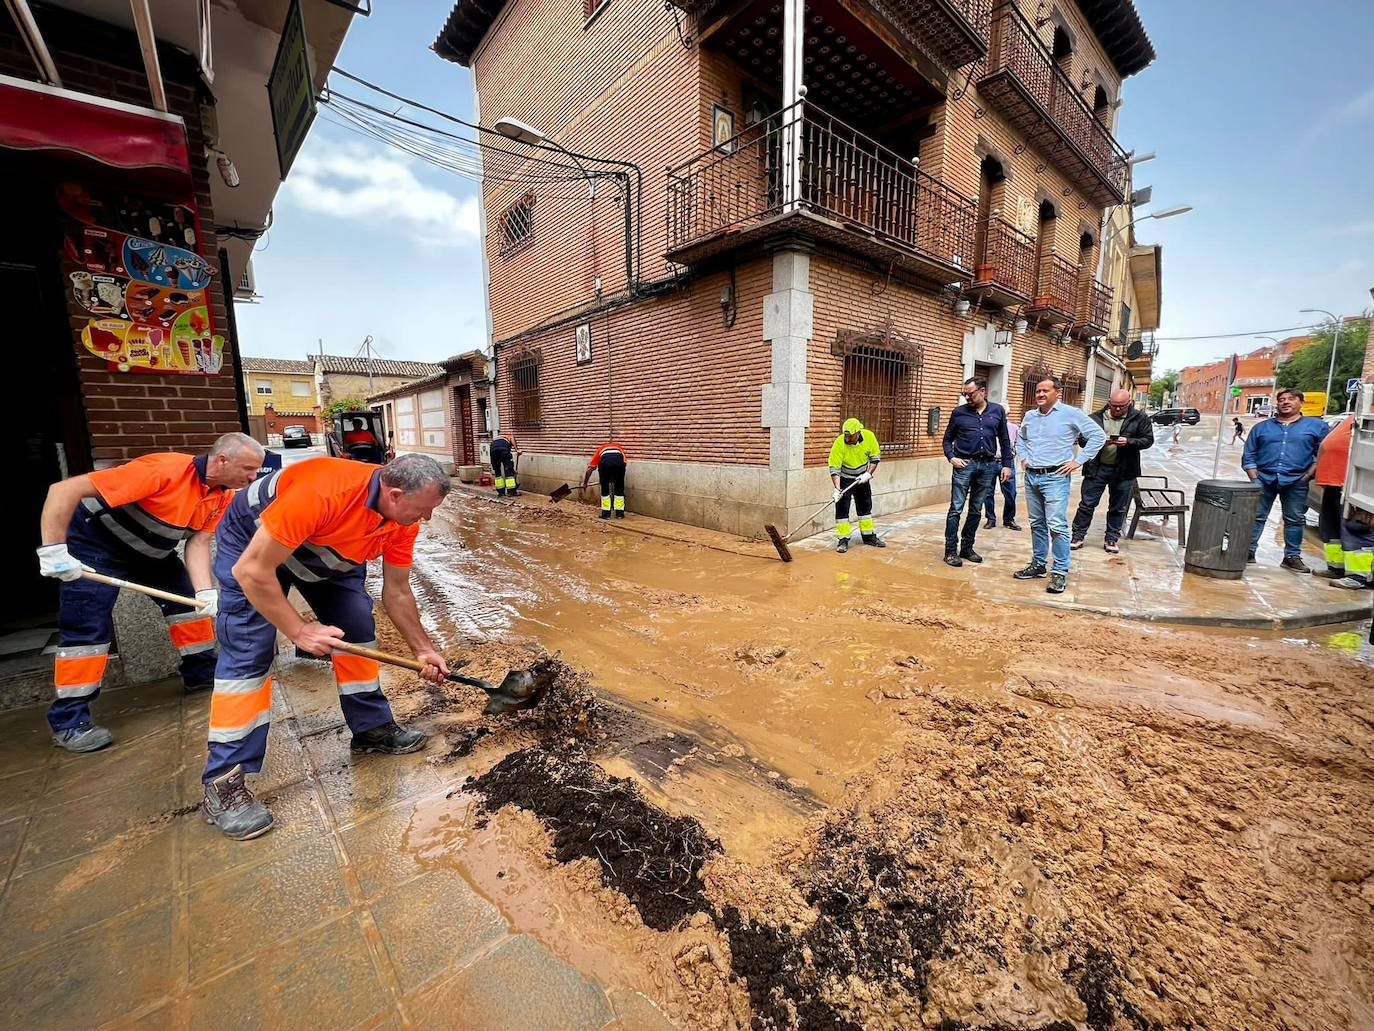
x=503, y=464
x=609, y=462
x=312, y=526
x=127, y=521
x=853, y=459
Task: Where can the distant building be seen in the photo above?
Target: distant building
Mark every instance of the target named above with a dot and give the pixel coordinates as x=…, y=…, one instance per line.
x=1202, y=386
x=340, y=376
x=447, y=415
x=284, y=384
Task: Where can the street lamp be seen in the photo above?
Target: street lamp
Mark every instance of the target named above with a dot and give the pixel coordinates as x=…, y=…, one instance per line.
x=1181, y=209
x=522, y=132
x=1335, y=346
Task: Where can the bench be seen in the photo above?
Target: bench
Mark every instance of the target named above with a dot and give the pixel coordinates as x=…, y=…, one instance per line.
x=1153, y=496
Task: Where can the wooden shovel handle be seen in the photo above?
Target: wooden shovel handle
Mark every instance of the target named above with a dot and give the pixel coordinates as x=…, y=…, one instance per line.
x=372, y=653
x=153, y=592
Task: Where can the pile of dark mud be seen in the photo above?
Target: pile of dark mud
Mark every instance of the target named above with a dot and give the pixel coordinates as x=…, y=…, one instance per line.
x=652, y=858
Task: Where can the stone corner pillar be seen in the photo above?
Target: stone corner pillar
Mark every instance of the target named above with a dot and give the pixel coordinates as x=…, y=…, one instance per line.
x=788, y=314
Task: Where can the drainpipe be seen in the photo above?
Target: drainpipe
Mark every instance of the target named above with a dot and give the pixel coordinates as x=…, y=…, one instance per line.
x=147, y=43
x=33, y=39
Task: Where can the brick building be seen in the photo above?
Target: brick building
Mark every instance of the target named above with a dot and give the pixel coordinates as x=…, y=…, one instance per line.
x=835, y=208
x=1255, y=381
x=447, y=415
x=340, y=376
x=1202, y=386
x=281, y=383
x=123, y=242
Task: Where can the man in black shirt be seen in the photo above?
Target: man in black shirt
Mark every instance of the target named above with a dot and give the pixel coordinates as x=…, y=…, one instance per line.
x=978, y=446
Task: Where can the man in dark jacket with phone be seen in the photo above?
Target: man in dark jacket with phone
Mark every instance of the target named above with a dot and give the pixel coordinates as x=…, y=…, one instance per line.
x=1114, y=470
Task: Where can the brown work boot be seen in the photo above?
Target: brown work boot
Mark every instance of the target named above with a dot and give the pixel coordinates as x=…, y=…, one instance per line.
x=1296, y=564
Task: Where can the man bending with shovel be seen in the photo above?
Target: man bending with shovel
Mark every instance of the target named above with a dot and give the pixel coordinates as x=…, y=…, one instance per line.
x=853, y=458
x=126, y=522
x=312, y=526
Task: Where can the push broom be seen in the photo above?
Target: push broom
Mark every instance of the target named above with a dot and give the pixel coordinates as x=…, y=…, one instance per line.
x=780, y=542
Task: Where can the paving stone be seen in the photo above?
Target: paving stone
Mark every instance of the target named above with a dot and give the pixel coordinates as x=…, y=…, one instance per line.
x=434, y=924
x=18, y=792
x=376, y=848
x=297, y=821
x=152, y=757
x=499, y=993
x=635, y=1012
x=70, y=828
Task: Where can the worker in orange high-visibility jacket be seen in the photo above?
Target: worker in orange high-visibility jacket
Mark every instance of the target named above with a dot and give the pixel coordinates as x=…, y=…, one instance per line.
x=609, y=463
x=127, y=521
x=313, y=526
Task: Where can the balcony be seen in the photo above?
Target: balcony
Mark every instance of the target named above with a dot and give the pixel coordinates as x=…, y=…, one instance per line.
x=1141, y=346
x=851, y=192
x=1023, y=82
x=1005, y=272
x=951, y=34
x=1094, y=307
x=1056, y=292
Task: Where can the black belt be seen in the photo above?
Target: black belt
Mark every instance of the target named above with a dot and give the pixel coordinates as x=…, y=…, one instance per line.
x=1042, y=468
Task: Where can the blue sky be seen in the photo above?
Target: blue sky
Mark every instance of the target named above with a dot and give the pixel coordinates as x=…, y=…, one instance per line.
x=1261, y=112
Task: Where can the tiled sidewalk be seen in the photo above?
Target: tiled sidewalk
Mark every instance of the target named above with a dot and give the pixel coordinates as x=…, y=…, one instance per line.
x=117, y=912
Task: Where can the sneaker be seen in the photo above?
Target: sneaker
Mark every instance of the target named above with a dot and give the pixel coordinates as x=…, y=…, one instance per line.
x=1250, y=558
x=971, y=555
x=1350, y=583
x=1031, y=572
x=231, y=807
x=952, y=559
x=1295, y=563
x=1057, y=583
x=86, y=737
x=389, y=739
x=1330, y=572
x=1111, y=547
x=873, y=540
x=1013, y=525
x=1075, y=543
x=988, y=524
x=842, y=545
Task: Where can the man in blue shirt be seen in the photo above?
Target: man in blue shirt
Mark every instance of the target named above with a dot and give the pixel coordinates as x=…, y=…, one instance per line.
x=978, y=446
x=1281, y=456
x=1049, y=433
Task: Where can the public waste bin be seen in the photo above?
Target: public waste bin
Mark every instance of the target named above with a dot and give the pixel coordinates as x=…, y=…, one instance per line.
x=1223, y=518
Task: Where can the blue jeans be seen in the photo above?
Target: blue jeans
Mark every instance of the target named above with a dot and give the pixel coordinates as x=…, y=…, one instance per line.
x=972, y=485
x=1047, y=502
x=1008, y=501
x=1293, y=502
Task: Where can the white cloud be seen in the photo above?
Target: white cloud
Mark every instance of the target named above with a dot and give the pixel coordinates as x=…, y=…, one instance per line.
x=380, y=189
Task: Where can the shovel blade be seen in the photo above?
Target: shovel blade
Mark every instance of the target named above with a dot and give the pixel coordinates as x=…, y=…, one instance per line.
x=560, y=493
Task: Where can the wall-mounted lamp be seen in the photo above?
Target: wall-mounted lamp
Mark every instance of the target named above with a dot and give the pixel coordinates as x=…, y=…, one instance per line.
x=1002, y=338
x=227, y=171
x=961, y=307
x=1019, y=326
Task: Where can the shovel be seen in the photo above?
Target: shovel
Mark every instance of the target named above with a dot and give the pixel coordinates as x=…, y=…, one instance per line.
x=780, y=542
x=520, y=689
x=562, y=492
x=152, y=592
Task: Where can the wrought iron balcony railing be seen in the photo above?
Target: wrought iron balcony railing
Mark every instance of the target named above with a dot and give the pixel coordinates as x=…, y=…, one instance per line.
x=855, y=190
x=1056, y=288
x=1025, y=83
x=1141, y=346
x=1006, y=259
x=1095, y=306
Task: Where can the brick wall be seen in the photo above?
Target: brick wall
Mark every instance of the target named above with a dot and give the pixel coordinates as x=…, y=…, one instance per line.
x=276, y=421
x=130, y=414
x=1202, y=386
x=282, y=395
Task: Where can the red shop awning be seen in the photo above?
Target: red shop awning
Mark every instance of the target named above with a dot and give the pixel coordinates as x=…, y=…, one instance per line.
x=38, y=117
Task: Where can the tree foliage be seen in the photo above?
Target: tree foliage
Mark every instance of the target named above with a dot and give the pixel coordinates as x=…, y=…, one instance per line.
x=344, y=404
x=1308, y=368
x=1160, y=385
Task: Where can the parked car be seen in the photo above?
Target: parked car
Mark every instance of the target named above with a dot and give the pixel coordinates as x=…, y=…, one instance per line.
x=295, y=436
x=1170, y=416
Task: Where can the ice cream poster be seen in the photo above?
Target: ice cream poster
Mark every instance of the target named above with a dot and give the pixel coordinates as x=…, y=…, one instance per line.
x=145, y=294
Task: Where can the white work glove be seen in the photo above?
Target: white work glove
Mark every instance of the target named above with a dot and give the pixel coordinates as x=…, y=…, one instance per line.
x=836, y=496
x=865, y=477
x=209, y=601
x=56, y=561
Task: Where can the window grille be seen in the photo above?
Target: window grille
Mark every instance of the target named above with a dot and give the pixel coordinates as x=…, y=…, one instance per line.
x=1030, y=376
x=517, y=225
x=882, y=385
x=524, y=388
x=1072, y=392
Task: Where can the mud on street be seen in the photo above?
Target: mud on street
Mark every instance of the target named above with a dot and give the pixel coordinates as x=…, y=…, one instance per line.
x=836, y=794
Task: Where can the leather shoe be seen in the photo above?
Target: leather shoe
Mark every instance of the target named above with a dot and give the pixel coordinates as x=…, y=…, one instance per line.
x=989, y=524
x=971, y=555
x=951, y=559
x=1013, y=525
x=388, y=738
x=1296, y=564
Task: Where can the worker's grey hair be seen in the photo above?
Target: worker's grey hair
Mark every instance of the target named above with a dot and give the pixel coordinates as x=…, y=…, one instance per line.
x=413, y=473
x=233, y=443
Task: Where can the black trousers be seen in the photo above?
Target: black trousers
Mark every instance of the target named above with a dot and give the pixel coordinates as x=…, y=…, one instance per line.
x=610, y=472
x=862, y=496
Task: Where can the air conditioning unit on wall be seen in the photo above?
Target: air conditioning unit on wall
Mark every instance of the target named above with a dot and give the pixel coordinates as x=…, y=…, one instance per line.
x=246, y=290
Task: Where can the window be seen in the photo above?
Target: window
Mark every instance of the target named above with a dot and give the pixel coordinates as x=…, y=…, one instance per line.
x=299, y=389
x=1030, y=376
x=405, y=403
x=262, y=386
x=590, y=7
x=1072, y=394
x=1124, y=331
x=517, y=225
x=524, y=388
x=882, y=385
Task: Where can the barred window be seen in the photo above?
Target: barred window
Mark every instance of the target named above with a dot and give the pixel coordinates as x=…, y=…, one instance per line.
x=517, y=225
x=882, y=385
x=524, y=388
x=1030, y=376
x=1072, y=392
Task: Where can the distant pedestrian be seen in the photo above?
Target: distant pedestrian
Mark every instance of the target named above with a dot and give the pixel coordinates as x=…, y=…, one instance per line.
x=978, y=446
x=610, y=463
x=1175, y=438
x=1332, y=458
x=1114, y=470
x=1238, y=430
x=1048, y=435
x=1281, y=456
x=1008, y=486
x=854, y=458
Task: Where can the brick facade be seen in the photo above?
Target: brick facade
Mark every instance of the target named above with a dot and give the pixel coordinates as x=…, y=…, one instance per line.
x=130, y=414
x=464, y=439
